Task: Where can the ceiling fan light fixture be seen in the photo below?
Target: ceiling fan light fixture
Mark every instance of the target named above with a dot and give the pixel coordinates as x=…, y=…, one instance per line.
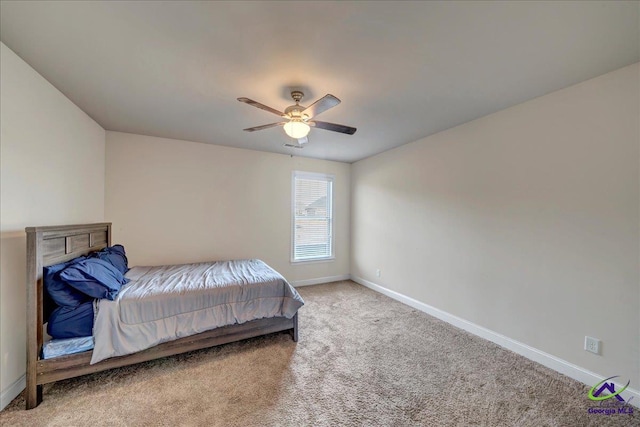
x=297, y=129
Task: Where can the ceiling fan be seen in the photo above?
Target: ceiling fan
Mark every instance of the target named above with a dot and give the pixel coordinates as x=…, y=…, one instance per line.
x=299, y=119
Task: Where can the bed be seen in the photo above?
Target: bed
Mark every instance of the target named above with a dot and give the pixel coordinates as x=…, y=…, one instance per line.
x=189, y=329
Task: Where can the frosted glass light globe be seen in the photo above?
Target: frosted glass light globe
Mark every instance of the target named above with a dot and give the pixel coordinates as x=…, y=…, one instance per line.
x=297, y=129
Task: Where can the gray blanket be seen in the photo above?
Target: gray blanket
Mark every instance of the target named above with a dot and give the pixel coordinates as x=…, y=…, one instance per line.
x=164, y=303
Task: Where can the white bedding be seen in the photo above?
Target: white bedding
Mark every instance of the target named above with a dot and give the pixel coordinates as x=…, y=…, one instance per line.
x=164, y=303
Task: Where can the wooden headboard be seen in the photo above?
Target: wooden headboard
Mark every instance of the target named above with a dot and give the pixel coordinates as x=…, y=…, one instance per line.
x=48, y=246
x=55, y=244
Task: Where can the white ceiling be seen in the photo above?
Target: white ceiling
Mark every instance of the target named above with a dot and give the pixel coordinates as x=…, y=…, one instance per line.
x=404, y=70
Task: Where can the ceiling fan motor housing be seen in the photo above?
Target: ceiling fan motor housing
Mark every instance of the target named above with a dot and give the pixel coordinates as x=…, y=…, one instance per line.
x=295, y=111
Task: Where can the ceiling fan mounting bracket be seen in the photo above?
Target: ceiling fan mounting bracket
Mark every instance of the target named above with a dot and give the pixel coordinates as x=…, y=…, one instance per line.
x=297, y=96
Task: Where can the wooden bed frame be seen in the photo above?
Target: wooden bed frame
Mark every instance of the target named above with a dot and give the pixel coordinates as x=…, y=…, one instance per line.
x=52, y=245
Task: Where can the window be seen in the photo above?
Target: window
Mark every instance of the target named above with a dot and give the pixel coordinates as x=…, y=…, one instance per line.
x=312, y=217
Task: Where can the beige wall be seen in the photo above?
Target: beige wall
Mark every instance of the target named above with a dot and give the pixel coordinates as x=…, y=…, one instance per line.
x=177, y=201
x=525, y=222
x=52, y=172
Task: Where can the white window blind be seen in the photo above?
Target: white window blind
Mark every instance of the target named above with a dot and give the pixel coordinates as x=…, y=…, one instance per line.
x=312, y=217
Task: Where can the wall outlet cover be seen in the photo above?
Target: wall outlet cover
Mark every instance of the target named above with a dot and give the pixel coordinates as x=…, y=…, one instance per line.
x=592, y=345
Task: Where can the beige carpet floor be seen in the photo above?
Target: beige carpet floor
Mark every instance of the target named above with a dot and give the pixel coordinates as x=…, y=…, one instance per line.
x=362, y=360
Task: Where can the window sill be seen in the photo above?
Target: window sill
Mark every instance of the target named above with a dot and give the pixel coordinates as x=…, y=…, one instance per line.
x=312, y=261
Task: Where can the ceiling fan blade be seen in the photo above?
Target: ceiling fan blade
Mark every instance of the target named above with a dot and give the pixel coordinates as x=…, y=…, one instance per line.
x=270, y=125
x=303, y=140
x=261, y=106
x=321, y=105
x=332, y=126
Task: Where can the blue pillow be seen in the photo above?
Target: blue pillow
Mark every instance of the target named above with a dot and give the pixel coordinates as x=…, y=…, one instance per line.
x=60, y=292
x=115, y=256
x=94, y=277
x=70, y=322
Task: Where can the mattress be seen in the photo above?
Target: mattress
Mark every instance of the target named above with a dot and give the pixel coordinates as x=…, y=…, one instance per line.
x=164, y=303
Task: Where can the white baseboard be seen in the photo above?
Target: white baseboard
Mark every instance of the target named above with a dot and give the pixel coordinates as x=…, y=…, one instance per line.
x=7, y=395
x=566, y=368
x=309, y=282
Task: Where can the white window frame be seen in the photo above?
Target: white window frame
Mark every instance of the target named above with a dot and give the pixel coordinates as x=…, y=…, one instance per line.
x=318, y=176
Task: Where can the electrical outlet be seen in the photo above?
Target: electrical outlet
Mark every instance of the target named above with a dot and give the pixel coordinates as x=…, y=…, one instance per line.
x=378, y=273
x=592, y=344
